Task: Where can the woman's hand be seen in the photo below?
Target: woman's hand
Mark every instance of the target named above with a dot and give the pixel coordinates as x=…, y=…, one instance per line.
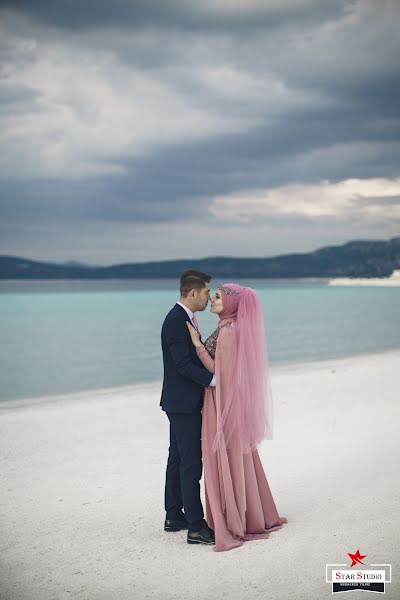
x=194, y=334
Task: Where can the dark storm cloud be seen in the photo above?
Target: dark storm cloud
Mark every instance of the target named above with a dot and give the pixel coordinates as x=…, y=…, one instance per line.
x=112, y=198
x=257, y=159
x=180, y=183
x=170, y=14
x=337, y=118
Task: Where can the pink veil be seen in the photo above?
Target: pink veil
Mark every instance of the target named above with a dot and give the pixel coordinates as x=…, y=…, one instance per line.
x=247, y=409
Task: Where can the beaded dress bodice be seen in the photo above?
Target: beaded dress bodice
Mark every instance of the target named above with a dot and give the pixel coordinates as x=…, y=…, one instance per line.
x=211, y=342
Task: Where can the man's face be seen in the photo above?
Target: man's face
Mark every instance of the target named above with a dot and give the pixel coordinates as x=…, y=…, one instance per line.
x=202, y=297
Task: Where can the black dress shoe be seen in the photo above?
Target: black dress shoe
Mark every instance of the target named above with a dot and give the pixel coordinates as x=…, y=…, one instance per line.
x=177, y=525
x=204, y=536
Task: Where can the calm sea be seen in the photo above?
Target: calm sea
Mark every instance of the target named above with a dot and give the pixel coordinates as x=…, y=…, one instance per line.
x=65, y=336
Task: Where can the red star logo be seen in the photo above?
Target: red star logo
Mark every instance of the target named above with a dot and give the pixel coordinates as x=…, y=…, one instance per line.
x=356, y=558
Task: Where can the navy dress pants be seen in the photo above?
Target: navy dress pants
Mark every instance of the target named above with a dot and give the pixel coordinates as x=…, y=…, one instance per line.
x=184, y=469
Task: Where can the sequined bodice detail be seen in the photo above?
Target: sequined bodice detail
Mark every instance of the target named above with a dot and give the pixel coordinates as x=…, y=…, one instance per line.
x=211, y=342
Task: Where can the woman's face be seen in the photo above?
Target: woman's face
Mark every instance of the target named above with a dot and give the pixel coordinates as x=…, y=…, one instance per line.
x=216, y=303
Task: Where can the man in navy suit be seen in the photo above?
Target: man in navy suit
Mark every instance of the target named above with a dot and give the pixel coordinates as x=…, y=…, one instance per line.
x=185, y=379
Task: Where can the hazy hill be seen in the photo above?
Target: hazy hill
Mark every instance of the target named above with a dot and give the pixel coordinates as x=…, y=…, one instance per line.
x=360, y=258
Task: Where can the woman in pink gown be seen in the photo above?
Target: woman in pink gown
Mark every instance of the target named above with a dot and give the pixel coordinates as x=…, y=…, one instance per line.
x=237, y=416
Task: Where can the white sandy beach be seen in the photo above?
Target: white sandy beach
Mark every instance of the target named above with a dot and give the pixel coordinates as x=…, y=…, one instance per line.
x=392, y=281
x=82, y=483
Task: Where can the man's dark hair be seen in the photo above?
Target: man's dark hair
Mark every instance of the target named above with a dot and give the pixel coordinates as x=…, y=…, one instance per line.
x=192, y=279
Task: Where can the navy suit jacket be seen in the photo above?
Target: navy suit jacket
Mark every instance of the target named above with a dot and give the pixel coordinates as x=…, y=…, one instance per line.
x=185, y=376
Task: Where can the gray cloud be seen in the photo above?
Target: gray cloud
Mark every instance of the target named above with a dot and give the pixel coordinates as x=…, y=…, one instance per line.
x=177, y=14
x=204, y=102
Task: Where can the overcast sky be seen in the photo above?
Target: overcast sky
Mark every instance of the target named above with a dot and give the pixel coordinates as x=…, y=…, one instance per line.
x=135, y=130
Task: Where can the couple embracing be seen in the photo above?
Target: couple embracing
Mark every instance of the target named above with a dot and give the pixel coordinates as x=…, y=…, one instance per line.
x=218, y=400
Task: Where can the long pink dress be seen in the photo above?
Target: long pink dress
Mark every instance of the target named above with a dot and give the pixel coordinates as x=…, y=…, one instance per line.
x=239, y=503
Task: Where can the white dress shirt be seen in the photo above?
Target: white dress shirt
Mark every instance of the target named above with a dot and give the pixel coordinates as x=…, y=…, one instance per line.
x=191, y=315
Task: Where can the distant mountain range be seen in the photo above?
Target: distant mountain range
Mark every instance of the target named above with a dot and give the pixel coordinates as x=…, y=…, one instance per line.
x=360, y=258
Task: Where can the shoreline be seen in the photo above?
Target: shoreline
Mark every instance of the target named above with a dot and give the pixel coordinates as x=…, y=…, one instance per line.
x=151, y=386
x=392, y=280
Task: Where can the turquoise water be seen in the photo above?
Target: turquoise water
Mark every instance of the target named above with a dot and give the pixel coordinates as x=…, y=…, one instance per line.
x=64, y=336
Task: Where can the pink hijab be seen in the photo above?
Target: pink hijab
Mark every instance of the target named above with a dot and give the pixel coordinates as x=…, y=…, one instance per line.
x=248, y=407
